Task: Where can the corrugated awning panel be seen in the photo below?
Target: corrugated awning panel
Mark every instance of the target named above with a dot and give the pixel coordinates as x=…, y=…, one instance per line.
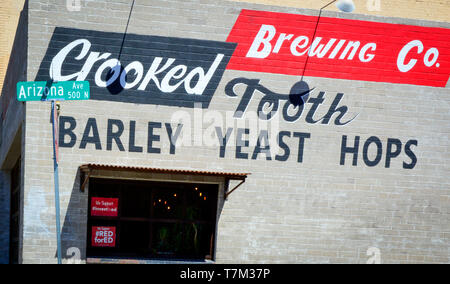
x=234, y=176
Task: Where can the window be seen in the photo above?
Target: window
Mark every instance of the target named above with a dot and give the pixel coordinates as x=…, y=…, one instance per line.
x=151, y=220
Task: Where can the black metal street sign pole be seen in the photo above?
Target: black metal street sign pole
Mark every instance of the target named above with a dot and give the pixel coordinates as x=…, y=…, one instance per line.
x=56, y=178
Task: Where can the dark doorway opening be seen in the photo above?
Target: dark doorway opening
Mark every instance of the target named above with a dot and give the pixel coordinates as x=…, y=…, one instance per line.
x=14, y=221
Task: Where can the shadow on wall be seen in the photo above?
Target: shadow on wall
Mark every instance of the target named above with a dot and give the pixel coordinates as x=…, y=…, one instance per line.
x=4, y=218
x=16, y=71
x=74, y=227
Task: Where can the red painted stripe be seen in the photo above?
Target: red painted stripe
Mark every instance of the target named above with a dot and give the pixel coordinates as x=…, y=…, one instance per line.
x=389, y=39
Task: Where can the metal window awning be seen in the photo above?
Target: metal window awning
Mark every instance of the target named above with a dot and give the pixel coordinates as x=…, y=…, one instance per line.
x=86, y=171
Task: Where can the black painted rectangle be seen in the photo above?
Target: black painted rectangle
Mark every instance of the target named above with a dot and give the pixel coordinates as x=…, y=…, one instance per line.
x=192, y=53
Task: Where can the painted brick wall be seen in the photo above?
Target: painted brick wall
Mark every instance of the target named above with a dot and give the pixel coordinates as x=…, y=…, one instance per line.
x=317, y=211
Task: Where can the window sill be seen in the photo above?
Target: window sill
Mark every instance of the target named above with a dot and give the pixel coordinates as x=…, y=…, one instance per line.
x=95, y=260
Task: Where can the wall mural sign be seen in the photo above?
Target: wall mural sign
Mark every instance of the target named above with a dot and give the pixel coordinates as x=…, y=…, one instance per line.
x=181, y=72
x=186, y=73
x=151, y=70
x=342, y=49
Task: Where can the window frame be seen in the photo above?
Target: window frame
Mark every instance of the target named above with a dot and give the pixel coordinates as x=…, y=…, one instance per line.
x=119, y=220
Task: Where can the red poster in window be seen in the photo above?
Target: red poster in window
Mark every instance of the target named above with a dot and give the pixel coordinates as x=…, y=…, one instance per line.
x=104, y=206
x=103, y=236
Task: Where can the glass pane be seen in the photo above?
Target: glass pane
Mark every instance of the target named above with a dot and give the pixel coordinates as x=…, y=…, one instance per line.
x=104, y=187
x=201, y=202
x=136, y=202
x=167, y=204
x=134, y=238
x=181, y=240
x=167, y=239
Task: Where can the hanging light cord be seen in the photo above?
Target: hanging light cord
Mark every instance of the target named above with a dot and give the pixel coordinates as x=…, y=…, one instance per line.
x=314, y=37
x=126, y=29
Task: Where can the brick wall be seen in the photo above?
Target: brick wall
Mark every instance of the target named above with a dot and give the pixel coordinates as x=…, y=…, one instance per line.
x=15, y=63
x=9, y=18
x=4, y=220
x=317, y=211
x=433, y=10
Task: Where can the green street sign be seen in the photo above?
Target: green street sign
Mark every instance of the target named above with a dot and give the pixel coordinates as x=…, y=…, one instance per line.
x=53, y=91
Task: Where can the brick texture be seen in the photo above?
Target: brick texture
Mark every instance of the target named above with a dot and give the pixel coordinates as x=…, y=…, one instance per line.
x=317, y=211
x=9, y=18
x=4, y=220
x=433, y=10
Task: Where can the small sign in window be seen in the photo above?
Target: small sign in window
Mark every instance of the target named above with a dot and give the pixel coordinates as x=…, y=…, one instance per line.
x=104, y=206
x=103, y=236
